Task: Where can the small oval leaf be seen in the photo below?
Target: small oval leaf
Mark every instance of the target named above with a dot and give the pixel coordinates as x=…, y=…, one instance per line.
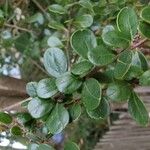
x=91, y=94
x=68, y=83
x=83, y=41
x=145, y=14
x=137, y=110
x=118, y=91
x=102, y=111
x=46, y=88
x=55, y=62
x=101, y=56
x=5, y=118
x=58, y=119
x=31, y=88
x=38, y=108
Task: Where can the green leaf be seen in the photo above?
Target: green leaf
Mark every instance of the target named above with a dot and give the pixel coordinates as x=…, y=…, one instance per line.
x=68, y=83
x=91, y=94
x=75, y=112
x=83, y=41
x=71, y=146
x=16, y=131
x=54, y=42
x=46, y=88
x=138, y=65
x=145, y=78
x=58, y=9
x=101, y=55
x=144, y=29
x=123, y=64
x=38, y=17
x=102, y=111
x=33, y=146
x=31, y=88
x=82, y=68
x=38, y=108
x=127, y=22
x=84, y=21
x=86, y=4
x=118, y=91
x=145, y=14
x=55, y=62
x=144, y=62
x=5, y=118
x=58, y=119
x=114, y=38
x=45, y=147
x=22, y=42
x=137, y=110
x=56, y=25
x=23, y=118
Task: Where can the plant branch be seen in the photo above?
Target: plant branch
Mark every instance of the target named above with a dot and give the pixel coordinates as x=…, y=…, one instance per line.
x=16, y=27
x=140, y=43
x=38, y=66
x=13, y=107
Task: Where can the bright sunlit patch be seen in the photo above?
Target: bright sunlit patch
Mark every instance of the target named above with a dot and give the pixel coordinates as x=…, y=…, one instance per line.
x=4, y=142
x=18, y=145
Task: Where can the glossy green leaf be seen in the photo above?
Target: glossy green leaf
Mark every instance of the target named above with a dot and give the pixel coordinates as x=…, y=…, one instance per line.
x=16, y=131
x=101, y=55
x=145, y=78
x=83, y=41
x=137, y=110
x=56, y=25
x=123, y=64
x=23, y=118
x=46, y=88
x=114, y=39
x=58, y=119
x=138, y=65
x=86, y=4
x=38, y=108
x=74, y=112
x=91, y=94
x=38, y=17
x=45, y=147
x=5, y=118
x=82, y=68
x=127, y=22
x=22, y=42
x=55, y=62
x=144, y=29
x=71, y=146
x=145, y=14
x=58, y=9
x=68, y=83
x=102, y=111
x=31, y=88
x=144, y=62
x=33, y=146
x=84, y=21
x=54, y=42
x=118, y=91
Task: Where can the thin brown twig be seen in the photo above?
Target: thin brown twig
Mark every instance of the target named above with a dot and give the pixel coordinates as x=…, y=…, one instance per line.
x=16, y=105
x=139, y=43
x=38, y=66
x=16, y=27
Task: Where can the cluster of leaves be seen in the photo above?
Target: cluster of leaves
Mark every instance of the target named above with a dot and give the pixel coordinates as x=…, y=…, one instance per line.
x=102, y=68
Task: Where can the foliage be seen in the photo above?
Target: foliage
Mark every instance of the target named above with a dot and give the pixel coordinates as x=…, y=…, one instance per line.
x=83, y=43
